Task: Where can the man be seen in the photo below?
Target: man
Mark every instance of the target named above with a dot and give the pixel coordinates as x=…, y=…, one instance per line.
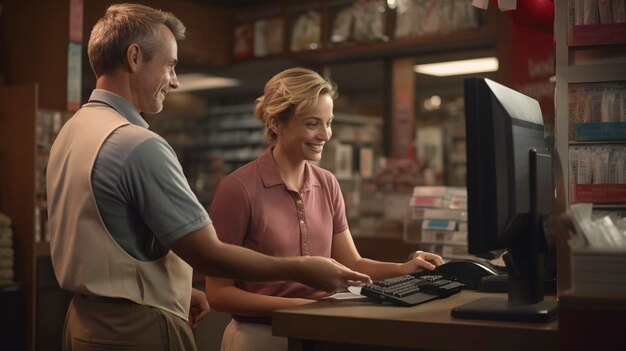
x=124, y=225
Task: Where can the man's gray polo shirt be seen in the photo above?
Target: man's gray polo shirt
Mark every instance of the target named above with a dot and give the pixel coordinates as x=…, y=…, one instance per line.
x=142, y=194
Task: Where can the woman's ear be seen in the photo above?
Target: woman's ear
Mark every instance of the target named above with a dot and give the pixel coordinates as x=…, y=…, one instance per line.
x=275, y=126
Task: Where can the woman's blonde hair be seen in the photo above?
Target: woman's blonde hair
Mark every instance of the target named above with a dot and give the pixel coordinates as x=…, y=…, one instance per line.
x=289, y=93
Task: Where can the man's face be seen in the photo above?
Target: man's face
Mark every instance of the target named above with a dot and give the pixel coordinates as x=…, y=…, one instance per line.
x=156, y=77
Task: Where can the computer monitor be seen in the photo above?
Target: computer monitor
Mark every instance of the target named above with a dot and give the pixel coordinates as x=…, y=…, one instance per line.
x=509, y=193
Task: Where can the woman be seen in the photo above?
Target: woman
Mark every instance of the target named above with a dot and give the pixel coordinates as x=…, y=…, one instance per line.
x=282, y=205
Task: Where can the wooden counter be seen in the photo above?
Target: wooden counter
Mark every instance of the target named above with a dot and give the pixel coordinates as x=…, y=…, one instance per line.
x=365, y=325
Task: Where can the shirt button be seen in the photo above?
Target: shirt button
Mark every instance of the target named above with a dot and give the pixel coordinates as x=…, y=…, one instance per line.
x=301, y=222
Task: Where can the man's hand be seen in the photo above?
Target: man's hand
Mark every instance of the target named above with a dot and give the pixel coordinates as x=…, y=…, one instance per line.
x=199, y=308
x=328, y=275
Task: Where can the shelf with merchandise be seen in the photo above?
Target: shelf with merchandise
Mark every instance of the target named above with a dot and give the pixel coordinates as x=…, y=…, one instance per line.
x=597, y=111
x=590, y=77
x=332, y=29
x=597, y=34
x=596, y=22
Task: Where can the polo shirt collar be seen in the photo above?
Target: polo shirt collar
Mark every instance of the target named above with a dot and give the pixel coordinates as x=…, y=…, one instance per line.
x=271, y=177
x=119, y=104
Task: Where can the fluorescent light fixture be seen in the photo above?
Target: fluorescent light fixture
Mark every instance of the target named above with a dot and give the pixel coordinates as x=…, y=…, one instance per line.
x=199, y=81
x=453, y=68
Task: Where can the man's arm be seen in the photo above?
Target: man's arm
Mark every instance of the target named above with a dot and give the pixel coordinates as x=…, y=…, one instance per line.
x=208, y=255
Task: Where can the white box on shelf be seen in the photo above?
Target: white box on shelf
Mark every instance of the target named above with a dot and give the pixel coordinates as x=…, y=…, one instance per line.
x=444, y=213
x=598, y=271
x=439, y=224
x=444, y=237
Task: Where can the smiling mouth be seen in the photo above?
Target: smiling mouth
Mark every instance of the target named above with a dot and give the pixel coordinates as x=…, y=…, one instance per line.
x=316, y=146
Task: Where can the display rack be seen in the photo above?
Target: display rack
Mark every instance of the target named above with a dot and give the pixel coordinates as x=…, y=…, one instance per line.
x=436, y=219
x=589, y=65
x=595, y=63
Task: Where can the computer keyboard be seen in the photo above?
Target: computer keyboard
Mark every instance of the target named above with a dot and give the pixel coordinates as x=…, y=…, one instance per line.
x=410, y=290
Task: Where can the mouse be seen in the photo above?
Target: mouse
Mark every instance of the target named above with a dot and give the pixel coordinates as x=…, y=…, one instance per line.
x=468, y=272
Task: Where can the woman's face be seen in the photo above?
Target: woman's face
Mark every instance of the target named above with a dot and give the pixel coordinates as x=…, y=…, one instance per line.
x=303, y=137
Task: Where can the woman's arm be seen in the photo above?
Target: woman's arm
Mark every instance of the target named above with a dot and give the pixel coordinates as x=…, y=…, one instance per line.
x=344, y=251
x=224, y=296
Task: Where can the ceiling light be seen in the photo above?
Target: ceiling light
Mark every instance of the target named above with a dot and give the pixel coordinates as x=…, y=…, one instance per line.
x=199, y=81
x=453, y=68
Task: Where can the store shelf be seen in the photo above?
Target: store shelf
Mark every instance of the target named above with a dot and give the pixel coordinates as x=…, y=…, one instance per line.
x=597, y=34
x=598, y=73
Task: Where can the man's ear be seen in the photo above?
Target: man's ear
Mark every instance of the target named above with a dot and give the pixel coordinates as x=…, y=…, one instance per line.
x=134, y=57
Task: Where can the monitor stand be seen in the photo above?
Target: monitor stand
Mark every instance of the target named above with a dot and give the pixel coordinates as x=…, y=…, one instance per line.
x=500, y=309
x=524, y=261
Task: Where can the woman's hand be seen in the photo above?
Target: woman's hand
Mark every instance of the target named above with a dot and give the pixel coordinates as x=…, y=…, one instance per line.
x=421, y=260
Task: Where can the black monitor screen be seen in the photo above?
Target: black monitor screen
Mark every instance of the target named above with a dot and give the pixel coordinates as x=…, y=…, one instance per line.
x=502, y=126
x=509, y=193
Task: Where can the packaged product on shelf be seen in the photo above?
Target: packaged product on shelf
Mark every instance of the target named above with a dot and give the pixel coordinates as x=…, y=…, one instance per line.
x=618, y=10
x=573, y=172
x=242, y=41
x=416, y=18
x=341, y=25
x=260, y=38
x=366, y=162
x=603, y=181
x=306, y=32
x=621, y=167
x=600, y=165
x=612, y=103
x=572, y=105
x=434, y=212
x=463, y=15
x=369, y=20
x=584, y=166
x=604, y=10
x=445, y=213
x=439, y=224
x=595, y=104
x=612, y=176
x=590, y=12
x=621, y=102
x=579, y=15
x=275, y=35
x=444, y=237
x=583, y=101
